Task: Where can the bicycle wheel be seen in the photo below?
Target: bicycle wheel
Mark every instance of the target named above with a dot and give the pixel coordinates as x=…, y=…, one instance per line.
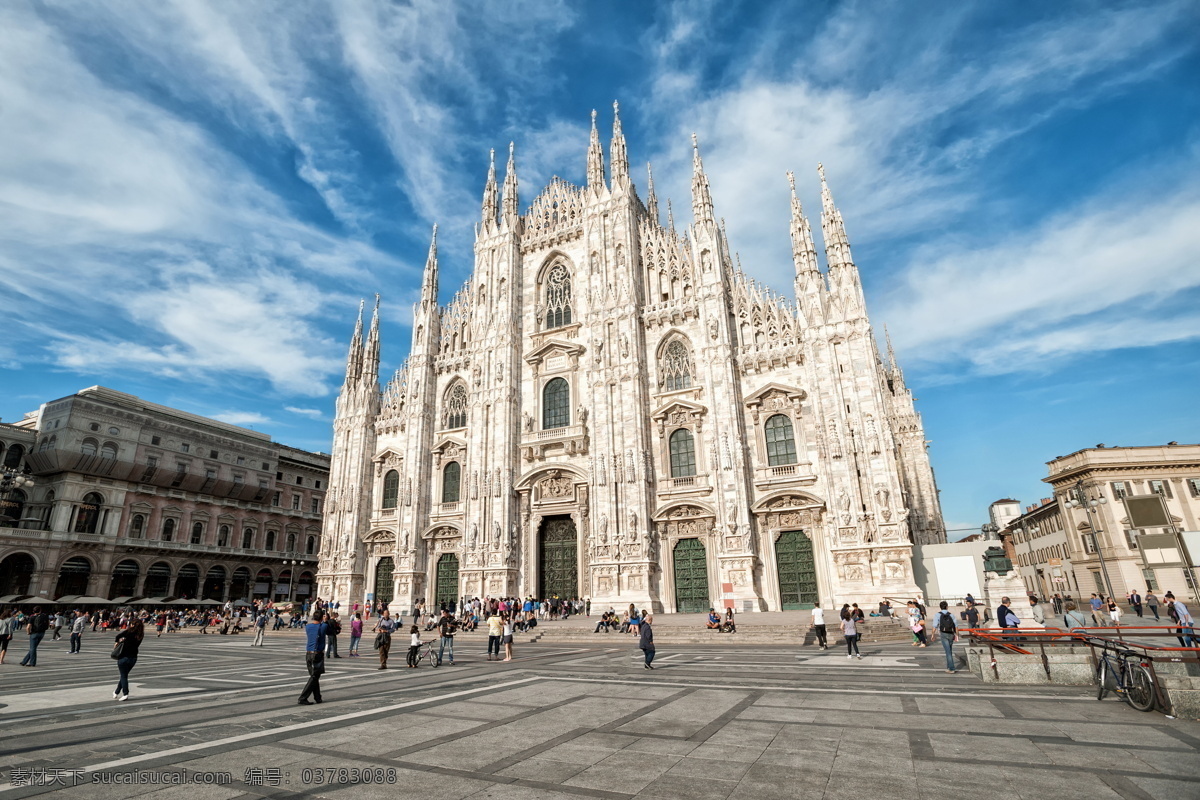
x=1139, y=687
x=433, y=659
x=1102, y=678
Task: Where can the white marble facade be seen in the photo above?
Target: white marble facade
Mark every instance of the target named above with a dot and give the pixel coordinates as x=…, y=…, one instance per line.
x=604, y=410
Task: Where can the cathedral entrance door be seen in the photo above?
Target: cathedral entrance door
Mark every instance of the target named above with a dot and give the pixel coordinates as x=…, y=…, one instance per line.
x=558, y=558
x=383, y=579
x=446, y=588
x=797, y=572
x=691, y=577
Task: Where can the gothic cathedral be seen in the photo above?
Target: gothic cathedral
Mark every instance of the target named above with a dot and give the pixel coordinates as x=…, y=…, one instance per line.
x=608, y=409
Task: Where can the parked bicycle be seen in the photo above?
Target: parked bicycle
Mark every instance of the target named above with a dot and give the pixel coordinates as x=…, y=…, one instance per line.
x=1125, y=672
x=428, y=653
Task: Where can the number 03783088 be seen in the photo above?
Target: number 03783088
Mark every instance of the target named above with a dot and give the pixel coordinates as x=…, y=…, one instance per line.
x=325, y=775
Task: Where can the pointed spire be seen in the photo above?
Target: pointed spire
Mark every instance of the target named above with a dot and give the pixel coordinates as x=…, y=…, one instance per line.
x=595, y=159
x=371, y=354
x=670, y=216
x=804, y=252
x=702, y=205
x=429, y=283
x=490, y=192
x=354, y=357
x=891, y=351
x=510, y=201
x=833, y=231
x=618, y=154
x=651, y=199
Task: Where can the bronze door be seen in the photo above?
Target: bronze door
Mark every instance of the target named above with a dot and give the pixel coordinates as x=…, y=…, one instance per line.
x=383, y=579
x=558, y=558
x=446, y=587
x=691, y=577
x=797, y=571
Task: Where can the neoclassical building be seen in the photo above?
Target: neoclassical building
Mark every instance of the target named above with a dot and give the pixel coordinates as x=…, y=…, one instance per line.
x=609, y=409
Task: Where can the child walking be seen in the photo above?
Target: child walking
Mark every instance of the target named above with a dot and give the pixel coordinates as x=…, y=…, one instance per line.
x=414, y=646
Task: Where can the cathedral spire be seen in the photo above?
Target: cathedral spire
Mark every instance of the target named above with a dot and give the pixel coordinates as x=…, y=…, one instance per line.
x=670, y=216
x=510, y=202
x=371, y=354
x=702, y=204
x=354, y=357
x=595, y=159
x=490, y=193
x=844, y=282
x=429, y=283
x=618, y=154
x=651, y=199
x=804, y=252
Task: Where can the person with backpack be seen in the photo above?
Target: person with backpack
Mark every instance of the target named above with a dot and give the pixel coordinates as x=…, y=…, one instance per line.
x=260, y=630
x=947, y=633
x=333, y=629
x=36, y=627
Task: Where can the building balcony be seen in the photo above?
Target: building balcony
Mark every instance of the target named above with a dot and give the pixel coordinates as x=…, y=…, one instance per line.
x=785, y=475
x=684, y=486
x=569, y=440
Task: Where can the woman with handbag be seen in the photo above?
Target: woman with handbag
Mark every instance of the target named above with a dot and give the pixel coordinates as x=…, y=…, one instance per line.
x=383, y=641
x=126, y=654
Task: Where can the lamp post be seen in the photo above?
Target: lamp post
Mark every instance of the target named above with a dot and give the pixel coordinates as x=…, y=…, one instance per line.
x=295, y=566
x=1092, y=506
x=10, y=481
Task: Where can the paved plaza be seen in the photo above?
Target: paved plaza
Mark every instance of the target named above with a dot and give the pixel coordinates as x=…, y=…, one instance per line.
x=568, y=720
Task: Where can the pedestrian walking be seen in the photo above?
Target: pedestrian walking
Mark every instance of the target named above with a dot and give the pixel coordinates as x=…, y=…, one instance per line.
x=506, y=637
x=947, y=633
x=57, y=625
x=1073, y=618
x=1035, y=608
x=446, y=628
x=332, y=628
x=850, y=631
x=1006, y=616
x=1114, y=613
x=314, y=658
x=356, y=629
x=36, y=627
x=1097, y=610
x=1135, y=600
x=129, y=641
x=646, y=640
x=817, y=623
x=8, y=625
x=1152, y=604
x=971, y=615
x=260, y=630
x=77, y=625
x=1186, y=633
x=385, y=626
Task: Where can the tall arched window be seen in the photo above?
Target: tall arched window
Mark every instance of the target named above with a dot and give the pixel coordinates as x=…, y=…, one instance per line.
x=556, y=404
x=90, y=446
x=676, y=366
x=391, y=488
x=168, y=531
x=291, y=543
x=197, y=532
x=137, y=526
x=451, y=482
x=454, y=408
x=223, y=536
x=44, y=445
x=88, y=516
x=270, y=545
x=683, y=454
x=558, y=297
x=311, y=547
x=108, y=450
x=247, y=538
x=781, y=442
x=13, y=457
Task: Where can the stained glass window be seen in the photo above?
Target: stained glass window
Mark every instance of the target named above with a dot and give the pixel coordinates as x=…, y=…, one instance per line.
x=558, y=297
x=451, y=482
x=781, y=443
x=556, y=404
x=683, y=454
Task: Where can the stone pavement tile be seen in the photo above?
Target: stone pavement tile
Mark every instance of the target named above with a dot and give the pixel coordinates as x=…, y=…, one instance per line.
x=410, y=783
x=804, y=737
x=611, y=741
x=508, y=791
x=772, y=714
x=674, y=787
x=1162, y=789
x=850, y=761
x=746, y=734
x=765, y=781
x=474, y=710
x=640, y=692
x=871, y=783
x=1073, y=755
x=687, y=715
x=545, y=770
x=814, y=762
x=541, y=693
x=573, y=753
x=987, y=748
x=710, y=768
x=1115, y=734
x=237, y=761
x=196, y=792
x=1041, y=784
x=100, y=791
x=394, y=733
x=877, y=702
x=728, y=752
x=624, y=772
x=674, y=747
x=962, y=707
x=1183, y=765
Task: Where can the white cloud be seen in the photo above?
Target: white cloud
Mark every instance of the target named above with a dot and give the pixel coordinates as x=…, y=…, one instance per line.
x=311, y=413
x=242, y=418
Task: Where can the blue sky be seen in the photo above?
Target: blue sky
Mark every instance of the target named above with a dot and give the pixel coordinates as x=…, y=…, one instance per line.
x=195, y=196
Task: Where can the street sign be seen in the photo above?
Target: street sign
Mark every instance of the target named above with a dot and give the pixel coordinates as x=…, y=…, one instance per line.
x=1147, y=511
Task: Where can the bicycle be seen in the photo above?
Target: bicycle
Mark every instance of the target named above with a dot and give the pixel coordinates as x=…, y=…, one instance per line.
x=1132, y=681
x=428, y=653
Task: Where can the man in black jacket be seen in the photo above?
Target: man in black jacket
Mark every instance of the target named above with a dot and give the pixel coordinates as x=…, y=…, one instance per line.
x=646, y=639
x=1005, y=616
x=36, y=628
